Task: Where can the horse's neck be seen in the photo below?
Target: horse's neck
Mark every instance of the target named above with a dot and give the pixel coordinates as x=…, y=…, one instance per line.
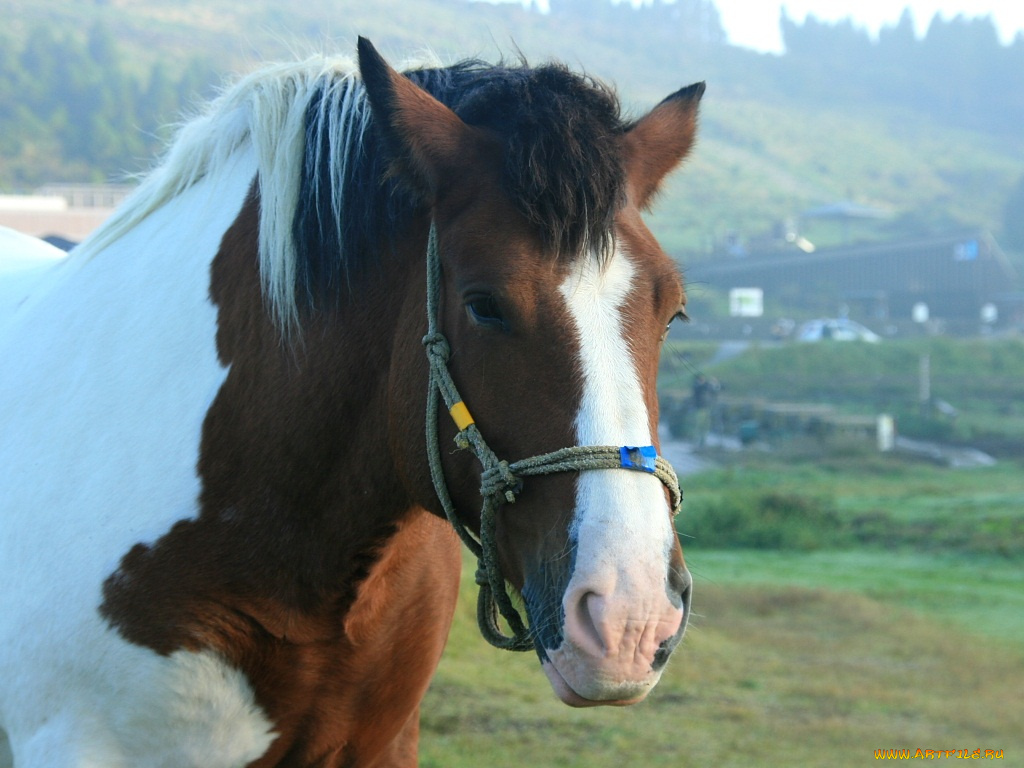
x=130, y=379
x=295, y=463
x=116, y=366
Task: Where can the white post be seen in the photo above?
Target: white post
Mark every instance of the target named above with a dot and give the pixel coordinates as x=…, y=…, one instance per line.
x=886, y=432
x=924, y=382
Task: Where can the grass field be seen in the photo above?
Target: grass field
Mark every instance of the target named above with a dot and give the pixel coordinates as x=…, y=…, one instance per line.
x=769, y=675
x=979, y=595
x=874, y=500
x=815, y=652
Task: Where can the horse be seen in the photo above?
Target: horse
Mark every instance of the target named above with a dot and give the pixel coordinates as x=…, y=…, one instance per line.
x=232, y=497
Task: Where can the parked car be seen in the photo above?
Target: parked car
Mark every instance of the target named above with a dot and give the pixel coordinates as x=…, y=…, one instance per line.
x=835, y=329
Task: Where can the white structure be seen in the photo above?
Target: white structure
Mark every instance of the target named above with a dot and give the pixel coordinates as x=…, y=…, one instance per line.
x=746, y=302
x=69, y=211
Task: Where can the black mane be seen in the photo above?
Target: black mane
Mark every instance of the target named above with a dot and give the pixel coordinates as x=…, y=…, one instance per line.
x=562, y=168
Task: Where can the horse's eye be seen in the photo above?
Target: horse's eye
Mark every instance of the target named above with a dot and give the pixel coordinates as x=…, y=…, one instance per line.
x=680, y=315
x=484, y=310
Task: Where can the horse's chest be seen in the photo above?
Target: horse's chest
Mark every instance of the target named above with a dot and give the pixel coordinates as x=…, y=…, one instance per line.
x=353, y=699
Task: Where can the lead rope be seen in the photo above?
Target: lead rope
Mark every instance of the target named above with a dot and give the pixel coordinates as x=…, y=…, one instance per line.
x=501, y=482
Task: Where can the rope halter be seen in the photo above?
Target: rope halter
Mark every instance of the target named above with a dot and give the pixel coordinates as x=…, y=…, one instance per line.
x=500, y=481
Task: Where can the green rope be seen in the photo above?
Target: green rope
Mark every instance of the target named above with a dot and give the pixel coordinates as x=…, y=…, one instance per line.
x=500, y=482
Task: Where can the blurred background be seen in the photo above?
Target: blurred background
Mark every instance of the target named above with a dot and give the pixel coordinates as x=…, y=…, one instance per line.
x=846, y=406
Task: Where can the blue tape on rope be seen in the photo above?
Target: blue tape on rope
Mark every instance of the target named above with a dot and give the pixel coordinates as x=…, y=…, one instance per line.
x=641, y=457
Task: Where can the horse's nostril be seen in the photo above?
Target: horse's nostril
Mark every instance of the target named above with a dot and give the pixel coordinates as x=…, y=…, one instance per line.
x=661, y=656
x=589, y=612
x=680, y=584
x=680, y=592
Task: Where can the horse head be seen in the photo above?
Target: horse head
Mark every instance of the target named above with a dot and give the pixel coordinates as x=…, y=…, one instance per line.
x=554, y=299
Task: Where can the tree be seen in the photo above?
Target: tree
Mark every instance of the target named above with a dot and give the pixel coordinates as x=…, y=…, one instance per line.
x=70, y=108
x=38, y=62
x=958, y=72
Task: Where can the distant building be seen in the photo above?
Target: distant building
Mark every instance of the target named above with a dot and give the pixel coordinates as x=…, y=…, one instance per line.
x=958, y=278
x=62, y=212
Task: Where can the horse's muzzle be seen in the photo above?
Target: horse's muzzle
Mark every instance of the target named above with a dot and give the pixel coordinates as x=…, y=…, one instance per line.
x=614, y=650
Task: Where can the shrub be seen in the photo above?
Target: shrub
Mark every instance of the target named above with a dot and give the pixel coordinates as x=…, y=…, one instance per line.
x=761, y=520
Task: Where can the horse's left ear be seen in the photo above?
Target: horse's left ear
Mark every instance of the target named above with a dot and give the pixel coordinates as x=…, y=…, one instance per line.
x=425, y=138
x=659, y=141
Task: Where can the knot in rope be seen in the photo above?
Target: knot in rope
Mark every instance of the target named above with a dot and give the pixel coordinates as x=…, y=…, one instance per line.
x=498, y=481
x=437, y=347
x=480, y=576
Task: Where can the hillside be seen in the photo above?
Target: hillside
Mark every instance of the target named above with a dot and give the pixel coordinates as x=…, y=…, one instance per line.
x=772, y=144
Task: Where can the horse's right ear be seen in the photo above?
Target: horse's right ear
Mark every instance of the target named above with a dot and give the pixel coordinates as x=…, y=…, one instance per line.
x=425, y=138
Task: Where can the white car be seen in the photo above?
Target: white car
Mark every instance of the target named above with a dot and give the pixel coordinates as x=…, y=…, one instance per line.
x=836, y=329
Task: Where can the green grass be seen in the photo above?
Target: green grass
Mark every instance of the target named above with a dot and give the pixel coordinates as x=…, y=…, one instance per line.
x=868, y=500
x=769, y=675
x=794, y=656
x=947, y=543
x=981, y=595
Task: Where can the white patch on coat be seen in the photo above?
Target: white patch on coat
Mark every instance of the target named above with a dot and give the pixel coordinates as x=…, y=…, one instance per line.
x=110, y=365
x=25, y=264
x=186, y=709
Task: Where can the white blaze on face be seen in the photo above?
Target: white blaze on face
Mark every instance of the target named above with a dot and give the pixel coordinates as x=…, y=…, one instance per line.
x=612, y=411
x=616, y=605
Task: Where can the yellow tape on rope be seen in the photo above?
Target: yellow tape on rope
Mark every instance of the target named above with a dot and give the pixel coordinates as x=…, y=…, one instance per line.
x=460, y=413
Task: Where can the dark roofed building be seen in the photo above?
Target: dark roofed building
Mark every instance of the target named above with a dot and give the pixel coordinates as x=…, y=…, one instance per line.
x=955, y=276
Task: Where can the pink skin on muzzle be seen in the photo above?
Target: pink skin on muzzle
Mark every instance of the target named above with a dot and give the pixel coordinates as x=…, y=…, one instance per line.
x=608, y=652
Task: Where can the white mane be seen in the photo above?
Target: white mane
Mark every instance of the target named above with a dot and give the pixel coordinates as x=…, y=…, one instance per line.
x=267, y=111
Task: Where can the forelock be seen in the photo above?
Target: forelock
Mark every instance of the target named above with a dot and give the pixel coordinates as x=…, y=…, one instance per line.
x=563, y=166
